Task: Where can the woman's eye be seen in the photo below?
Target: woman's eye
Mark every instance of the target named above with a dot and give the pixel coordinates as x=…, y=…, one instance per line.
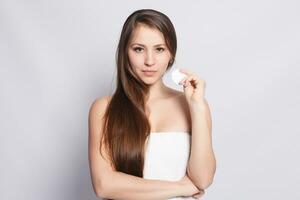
x=137, y=49
x=160, y=49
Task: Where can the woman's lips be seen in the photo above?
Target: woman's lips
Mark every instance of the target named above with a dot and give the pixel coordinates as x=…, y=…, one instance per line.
x=149, y=73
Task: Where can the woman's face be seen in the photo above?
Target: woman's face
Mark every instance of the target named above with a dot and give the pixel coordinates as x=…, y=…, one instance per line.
x=148, y=52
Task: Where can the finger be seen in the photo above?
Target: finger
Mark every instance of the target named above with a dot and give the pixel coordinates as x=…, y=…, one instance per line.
x=201, y=192
x=192, y=80
x=186, y=84
x=182, y=81
x=198, y=195
x=192, y=77
x=189, y=78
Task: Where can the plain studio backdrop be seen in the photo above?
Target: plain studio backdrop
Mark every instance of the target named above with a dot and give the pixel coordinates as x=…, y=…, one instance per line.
x=56, y=57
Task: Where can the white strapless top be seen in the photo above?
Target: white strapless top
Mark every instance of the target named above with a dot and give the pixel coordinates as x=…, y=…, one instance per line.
x=166, y=156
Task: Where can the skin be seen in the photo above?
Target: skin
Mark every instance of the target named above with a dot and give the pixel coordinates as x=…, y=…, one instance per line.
x=161, y=99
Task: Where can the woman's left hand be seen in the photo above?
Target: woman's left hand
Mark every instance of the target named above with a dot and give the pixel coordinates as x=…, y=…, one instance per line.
x=193, y=87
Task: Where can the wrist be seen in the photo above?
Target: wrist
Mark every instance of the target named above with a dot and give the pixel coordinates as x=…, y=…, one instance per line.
x=182, y=187
x=198, y=106
x=179, y=188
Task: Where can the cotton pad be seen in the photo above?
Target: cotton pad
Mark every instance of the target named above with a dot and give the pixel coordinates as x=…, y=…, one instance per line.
x=177, y=76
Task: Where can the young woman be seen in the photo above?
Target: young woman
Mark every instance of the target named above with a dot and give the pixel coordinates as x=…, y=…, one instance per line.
x=148, y=141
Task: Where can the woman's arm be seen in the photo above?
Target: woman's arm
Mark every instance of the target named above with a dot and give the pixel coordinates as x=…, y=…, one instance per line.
x=118, y=185
x=202, y=162
x=108, y=183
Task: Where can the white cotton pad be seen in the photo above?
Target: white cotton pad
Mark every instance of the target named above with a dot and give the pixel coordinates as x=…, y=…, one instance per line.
x=177, y=76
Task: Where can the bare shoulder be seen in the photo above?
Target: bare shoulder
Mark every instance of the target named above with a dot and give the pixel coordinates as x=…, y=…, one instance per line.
x=99, y=105
x=95, y=116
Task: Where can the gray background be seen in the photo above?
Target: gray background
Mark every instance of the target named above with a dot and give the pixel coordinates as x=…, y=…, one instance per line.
x=56, y=57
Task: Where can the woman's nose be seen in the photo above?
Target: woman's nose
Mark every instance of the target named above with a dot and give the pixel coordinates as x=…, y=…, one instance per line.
x=149, y=60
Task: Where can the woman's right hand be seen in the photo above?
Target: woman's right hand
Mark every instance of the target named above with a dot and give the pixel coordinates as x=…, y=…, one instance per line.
x=189, y=188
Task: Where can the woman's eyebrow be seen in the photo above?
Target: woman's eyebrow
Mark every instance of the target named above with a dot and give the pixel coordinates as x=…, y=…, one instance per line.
x=144, y=45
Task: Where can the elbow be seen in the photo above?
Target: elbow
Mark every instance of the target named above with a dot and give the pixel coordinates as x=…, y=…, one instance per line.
x=105, y=186
x=100, y=189
x=202, y=181
x=100, y=193
x=203, y=184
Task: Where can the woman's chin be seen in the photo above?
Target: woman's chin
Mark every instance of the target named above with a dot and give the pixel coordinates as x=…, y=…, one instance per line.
x=149, y=81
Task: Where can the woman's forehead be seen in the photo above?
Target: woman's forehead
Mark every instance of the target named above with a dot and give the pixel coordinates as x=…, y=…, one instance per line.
x=146, y=35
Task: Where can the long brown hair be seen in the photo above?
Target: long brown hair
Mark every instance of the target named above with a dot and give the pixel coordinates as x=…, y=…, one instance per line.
x=126, y=126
